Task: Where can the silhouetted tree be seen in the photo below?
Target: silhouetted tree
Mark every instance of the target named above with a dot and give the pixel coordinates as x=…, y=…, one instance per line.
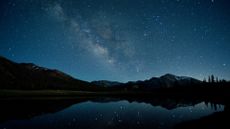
x=212, y=79
x=209, y=79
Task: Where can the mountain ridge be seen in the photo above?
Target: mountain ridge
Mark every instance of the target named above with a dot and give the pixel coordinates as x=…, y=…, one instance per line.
x=165, y=81
x=30, y=76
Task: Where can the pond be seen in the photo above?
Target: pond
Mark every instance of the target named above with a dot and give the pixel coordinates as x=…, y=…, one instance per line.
x=100, y=114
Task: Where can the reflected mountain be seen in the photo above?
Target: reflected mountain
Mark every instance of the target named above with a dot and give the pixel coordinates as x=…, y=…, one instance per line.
x=15, y=109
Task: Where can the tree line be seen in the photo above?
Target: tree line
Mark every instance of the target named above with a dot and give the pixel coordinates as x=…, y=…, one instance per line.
x=213, y=79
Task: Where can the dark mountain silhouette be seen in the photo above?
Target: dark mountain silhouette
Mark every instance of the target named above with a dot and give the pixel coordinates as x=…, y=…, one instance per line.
x=30, y=76
x=165, y=81
x=106, y=83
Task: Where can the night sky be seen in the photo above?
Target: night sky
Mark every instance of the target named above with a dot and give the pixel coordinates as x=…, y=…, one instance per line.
x=119, y=39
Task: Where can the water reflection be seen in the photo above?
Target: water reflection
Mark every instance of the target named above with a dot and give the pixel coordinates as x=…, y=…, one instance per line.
x=100, y=113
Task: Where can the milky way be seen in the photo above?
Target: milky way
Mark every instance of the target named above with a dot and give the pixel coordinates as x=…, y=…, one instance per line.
x=119, y=39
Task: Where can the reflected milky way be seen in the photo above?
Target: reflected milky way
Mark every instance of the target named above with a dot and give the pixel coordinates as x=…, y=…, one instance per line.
x=108, y=113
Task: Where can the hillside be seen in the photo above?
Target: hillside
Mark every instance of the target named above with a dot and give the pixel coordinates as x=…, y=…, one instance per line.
x=30, y=76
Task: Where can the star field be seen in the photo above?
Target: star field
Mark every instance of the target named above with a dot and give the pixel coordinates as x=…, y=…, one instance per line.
x=119, y=39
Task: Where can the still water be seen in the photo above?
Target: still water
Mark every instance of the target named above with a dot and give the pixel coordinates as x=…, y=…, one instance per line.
x=103, y=114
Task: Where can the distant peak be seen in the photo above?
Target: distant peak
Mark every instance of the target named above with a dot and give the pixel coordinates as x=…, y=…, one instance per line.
x=175, y=77
x=106, y=83
x=168, y=75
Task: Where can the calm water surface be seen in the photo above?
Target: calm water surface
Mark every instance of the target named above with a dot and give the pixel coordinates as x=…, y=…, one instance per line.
x=108, y=115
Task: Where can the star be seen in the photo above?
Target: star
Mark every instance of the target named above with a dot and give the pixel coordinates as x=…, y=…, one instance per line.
x=9, y=49
x=145, y=34
x=116, y=38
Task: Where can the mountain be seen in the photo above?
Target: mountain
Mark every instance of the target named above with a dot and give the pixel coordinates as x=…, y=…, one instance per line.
x=170, y=80
x=30, y=76
x=165, y=81
x=106, y=83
